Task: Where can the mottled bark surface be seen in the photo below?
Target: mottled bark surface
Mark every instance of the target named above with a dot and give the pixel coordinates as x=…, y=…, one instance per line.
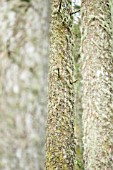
x=23, y=83
x=60, y=132
x=97, y=73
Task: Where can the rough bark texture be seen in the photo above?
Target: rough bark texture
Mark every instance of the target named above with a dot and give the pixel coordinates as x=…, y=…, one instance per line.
x=60, y=132
x=23, y=83
x=111, y=10
x=97, y=73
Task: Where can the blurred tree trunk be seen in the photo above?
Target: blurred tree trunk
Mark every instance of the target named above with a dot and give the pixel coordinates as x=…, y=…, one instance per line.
x=78, y=97
x=60, y=131
x=23, y=83
x=97, y=73
x=78, y=92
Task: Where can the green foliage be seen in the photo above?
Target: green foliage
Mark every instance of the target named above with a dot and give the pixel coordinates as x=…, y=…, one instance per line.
x=76, y=42
x=76, y=30
x=26, y=0
x=79, y=165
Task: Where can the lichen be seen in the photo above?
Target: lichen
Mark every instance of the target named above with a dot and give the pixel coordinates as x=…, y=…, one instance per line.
x=60, y=130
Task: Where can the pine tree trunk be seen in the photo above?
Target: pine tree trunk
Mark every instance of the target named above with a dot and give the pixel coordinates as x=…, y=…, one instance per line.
x=60, y=131
x=97, y=73
x=23, y=83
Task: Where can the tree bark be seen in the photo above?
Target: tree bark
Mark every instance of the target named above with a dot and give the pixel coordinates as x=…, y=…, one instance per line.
x=24, y=35
x=97, y=74
x=60, y=129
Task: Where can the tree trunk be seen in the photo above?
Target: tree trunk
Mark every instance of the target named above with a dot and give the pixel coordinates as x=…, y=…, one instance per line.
x=23, y=83
x=60, y=131
x=97, y=73
x=78, y=97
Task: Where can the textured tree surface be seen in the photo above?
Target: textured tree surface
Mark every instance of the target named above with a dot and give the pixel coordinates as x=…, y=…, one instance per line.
x=23, y=83
x=60, y=131
x=97, y=73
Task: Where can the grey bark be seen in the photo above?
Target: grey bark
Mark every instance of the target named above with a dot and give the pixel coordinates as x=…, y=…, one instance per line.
x=24, y=35
x=97, y=73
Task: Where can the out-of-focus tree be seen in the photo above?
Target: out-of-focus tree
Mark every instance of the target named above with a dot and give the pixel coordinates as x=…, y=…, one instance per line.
x=97, y=74
x=23, y=83
x=60, y=132
x=78, y=93
x=78, y=97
